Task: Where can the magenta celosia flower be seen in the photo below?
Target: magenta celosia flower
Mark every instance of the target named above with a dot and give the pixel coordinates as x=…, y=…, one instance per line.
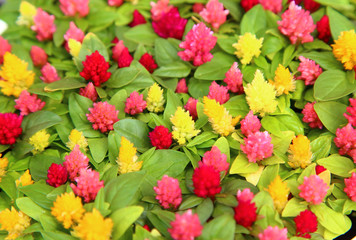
x=273, y=233
x=57, y=175
x=233, y=79
x=103, y=116
x=297, y=24
x=148, y=62
x=159, y=8
x=216, y=159
x=198, y=7
x=191, y=107
x=88, y=184
x=74, y=8
x=206, y=181
x=351, y=112
x=89, y=92
x=305, y=223
x=311, y=5
x=257, y=146
x=350, y=186
x=49, y=73
x=170, y=25
x=10, y=128
x=73, y=33
x=74, y=162
x=28, y=103
x=4, y=47
x=38, y=56
x=311, y=117
x=135, y=104
x=219, y=93
x=138, y=19
x=198, y=43
x=248, y=4
x=95, y=68
x=214, y=13
x=246, y=210
x=309, y=70
x=250, y=124
x=186, y=226
x=168, y=192
x=44, y=25
x=313, y=189
x=115, y=3
x=182, y=86
x=323, y=28
x=272, y=5
x=121, y=54
x=160, y=137
x=345, y=140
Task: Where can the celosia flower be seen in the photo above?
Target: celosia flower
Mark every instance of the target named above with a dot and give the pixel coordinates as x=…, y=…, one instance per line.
x=155, y=99
x=233, y=79
x=198, y=7
x=27, y=13
x=273, y=233
x=14, y=222
x=220, y=119
x=206, y=181
x=103, y=116
x=313, y=189
x=283, y=81
x=74, y=8
x=39, y=141
x=345, y=140
x=44, y=25
x=4, y=47
x=14, y=76
x=57, y=175
x=28, y=104
x=350, y=187
x=127, y=158
x=25, y=179
x=88, y=184
x=311, y=5
x=311, y=117
x=135, y=104
x=216, y=159
x=250, y=124
x=248, y=4
x=121, y=55
x=160, y=137
x=219, y=93
x=257, y=146
x=319, y=169
x=183, y=126
x=115, y=3
x=38, y=56
x=185, y=226
x=148, y=62
x=74, y=162
x=305, y=223
x=214, y=13
x=159, y=8
x=89, y=92
x=182, y=86
x=300, y=152
x=272, y=5
x=248, y=47
x=170, y=25
x=138, y=19
x=344, y=49
x=10, y=127
x=74, y=47
x=245, y=211
x=309, y=70
x=3, y=165
x=73, y=33
x=95, y=68
x=94, y=226
x=297, y=24
x=191, y=107
x=323, y=28
x=279, y=193
x=168, y=192
x=77, y=138
x=260, y=95
x=67, y=209
x=49, y=74
x=198, y=43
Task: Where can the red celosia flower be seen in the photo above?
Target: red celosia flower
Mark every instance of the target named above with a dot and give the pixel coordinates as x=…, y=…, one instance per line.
x=313, y=189
x=311, y=117
x=73, y=33
x=298, y=2
x=248, y=4
x=272, y=5
x=148, y=62
x=182, y=86
x=28, y=104
x=74, y=162
x=319, y=169
x=170, y=25
x=219, y=93
x=214, y=13
x=88, y=184
x=10, y=127
x=147, y=228
x=309, y=69
x=206, y=181
x=168, y=192
x=216, y=159
x=57, y=175
x=351, y=110
x=186, y=226
x=345, y=140
x=4, y=47
x=160, y=137
x=95, y=69
x=323, y=28
x=198, y=7
x=89, y=92
x=159, y=9
x=49, y=73
x=103, y=116
x=257, y=146
x=74, y=7
x=115, y=40
x=44, y=25
x=245, y=211
x=138, y=19
x=191, y=107
x=306, y=222
x=121, y=55
x=135, y=104
x=311, y=5
x=233, y=79
x=350, y=186
x=115, y=3
x=250, y=124
x=38, y=56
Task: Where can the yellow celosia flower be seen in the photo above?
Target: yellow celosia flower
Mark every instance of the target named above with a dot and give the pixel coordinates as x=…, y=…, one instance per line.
x=76, y=138
x=220, y=119
x=248, y=46
x=68, y=209
x=344, y=49
x=279, y=193
x=3, y=165
x=94, y=226
x=127, y=159
x=25, y=179
x=283, y=81
x=260, y=95
x=14, y=222
x=14, y=76
x=155, y=99
x=183, y=126
x=27, y=12
x=74, y=47
x=300, y=153
x=39, y=141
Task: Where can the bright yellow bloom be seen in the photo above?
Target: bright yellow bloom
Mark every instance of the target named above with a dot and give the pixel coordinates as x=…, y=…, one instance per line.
x=68, y=209
x=260, y=95
x=183, y=126
x=279, y=193
x=300, y=153
x=76, y=138
x=14, y=75
x=283, y=81
x=155, y=99
x=74, y=47
x=25, y=179
x=27, y=12
x=220, y=119
x=14, y=222
x=248, y=46
x=3, y=165
x=39, y=141
x=127, y=159
x=94, y=227
x=344, y=49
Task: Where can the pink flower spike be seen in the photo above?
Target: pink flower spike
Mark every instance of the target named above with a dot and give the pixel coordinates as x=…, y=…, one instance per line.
x=121, y=54
x=350, y=186
x=28, y=104
x=135, y=104
x=115, y=3
x=272, y=5
x=216, y=159
x=38, y=56
x=351, y=110
x=257, y=146
x=309, y=70
x=186, y=226
x=273, y=233
x=170, y=25
x=88, y=184
x=313, y=189
x=89, y=92
x=191, y=107
x=103, y=116
x=311, y=117
x=246, y=195
x=233, y=79
x=159, y=8
x=138, y=19
x=250, y=124
x=44, y=25
x=4, y=47
x=49, y=73
x=214, y=13
x=182, y=86
x=74, y=162
x=73, y=33
x=345, y=140
x=219, y=93
x=168, y=192
x=73, y=8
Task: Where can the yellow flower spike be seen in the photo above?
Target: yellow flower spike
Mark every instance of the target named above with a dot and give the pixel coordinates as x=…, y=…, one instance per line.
x=76, y=138
x=39, y=141
x=14, y=222
x=283, y=81
x=25, y=179
x=260, y=95
x=155, y=99
x=247, y=47
x=279, y=193
x=183, y=126
x=27, y=12
x=74, y=47
x=344, y=49
x=127, y=159
x=3, y=165
x=300, y=152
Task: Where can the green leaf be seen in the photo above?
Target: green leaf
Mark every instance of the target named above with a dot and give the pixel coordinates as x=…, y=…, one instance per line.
x=268, y=175
x=293, y=208
x=30, y=208
x=142, y=33
x=198, y=88
x=118, y=100
x=173, y=102
x=98, y=148
x=331, y=114
x=202, y=138
x=321, y=146
x=190, y=202
x=40, y=163
x=174, y=69
x=277, y=124
x=205, y=209
x=325, y=59
x=237, y=105
x=123, y=218
x=224, y=147
x=161, y=220
x=254, y=20
x=38, y=193
x=65, y=84
x=165, y=52
x=242, y=165
x=37, y=121
x=222, y=227
x=338, y=165
x=338, y=22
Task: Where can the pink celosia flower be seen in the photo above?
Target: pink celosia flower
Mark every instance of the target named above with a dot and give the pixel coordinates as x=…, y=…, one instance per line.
x=297, y=24
x=170, y=25
x=309, y=70
x=323, y=28
x=351, y=110
x=219, y=93
x=160, y=137
x=198, y=43
x=148, y=62
x=28, y=104
x=121, y=55
x=248, y=4
x=135, y=104
x=44, y=25
x=206, y=181
x=311, y=5
x=257, y=146
x=73, y=33
x=89, y=92
x=250, y=124
x=313, y=189
x=214, y=13
x=191, y=107
x=74, y=162
x=272, y=5
x=345, y=140
x=305, y=223
x=168, y=192
x=198, y=7
x=159, y=8
x=245, y=195
x=10, y=128
x=186, y=226
x=115, y=3
x=273, y=233
x=103, y=116
x=57, y=175
x=95, y=68
x=38, y=56
x=350, y=186
x=182, y=86
x=246, y=210
x=311, y=117
x=216, y=159
x=74, y=7
x=233, y=79
x=138, y=19
x=49, y=73
x=4, y=47
x=88, y=184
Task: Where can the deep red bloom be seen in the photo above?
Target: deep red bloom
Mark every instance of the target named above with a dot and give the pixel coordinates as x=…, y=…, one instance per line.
x=147, y=227
x=89, y=92
x=311, y=5
x=306, y=222
x=206, y=181
x=160, y=137
x=298, y=2
x=319, y=169
x=57, y=175
x=245, y=211
x=95, y=69
x=121, y=54
x=198, y=7
x=170, y=25
x=138, y=19
x=148, y=62
x=10, y=127
x=323, y=28
x=248, y=4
